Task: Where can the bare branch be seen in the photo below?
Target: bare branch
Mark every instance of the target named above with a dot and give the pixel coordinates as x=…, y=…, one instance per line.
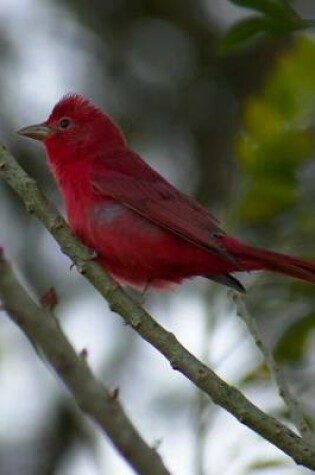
x=92, y=397
x=165, y=342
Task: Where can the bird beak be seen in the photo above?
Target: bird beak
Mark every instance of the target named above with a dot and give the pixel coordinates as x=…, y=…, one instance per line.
x=37, y=131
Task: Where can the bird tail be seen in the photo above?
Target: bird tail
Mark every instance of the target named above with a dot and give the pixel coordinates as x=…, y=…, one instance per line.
x=255, y=258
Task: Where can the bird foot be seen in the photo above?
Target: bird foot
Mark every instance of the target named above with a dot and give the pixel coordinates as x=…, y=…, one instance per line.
x=139, y=295
x=93, y=255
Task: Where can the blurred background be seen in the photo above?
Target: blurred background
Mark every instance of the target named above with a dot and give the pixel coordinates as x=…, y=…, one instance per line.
x=233, y=129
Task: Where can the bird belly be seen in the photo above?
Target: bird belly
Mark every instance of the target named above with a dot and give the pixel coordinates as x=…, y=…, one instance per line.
x=127, y=244
x=138, y=252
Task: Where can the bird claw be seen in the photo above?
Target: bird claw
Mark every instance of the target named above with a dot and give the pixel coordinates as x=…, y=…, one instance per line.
x=93, y=255
x=143, y=293
x=139, y=295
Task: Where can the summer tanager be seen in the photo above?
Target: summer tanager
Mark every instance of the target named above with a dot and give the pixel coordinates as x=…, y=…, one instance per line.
x=145, y=232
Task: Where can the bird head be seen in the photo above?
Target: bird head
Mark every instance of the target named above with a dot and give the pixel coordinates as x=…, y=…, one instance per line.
x=75, y=127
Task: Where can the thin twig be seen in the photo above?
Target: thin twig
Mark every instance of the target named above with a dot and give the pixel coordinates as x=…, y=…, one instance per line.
x=133, y=314
x=275, y=370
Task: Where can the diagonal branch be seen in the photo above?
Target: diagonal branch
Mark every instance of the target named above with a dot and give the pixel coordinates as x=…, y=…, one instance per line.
x=92, y=397
x=165, y=342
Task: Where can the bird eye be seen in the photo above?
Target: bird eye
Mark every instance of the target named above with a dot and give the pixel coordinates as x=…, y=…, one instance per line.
x=64, y=123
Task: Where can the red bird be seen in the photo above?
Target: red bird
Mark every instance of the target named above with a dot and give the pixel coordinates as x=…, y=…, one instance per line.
x=146, y=232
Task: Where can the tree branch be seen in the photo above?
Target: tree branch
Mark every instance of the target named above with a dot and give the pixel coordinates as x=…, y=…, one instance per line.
x=284, y=390
x=165, y=342
x=92, y=397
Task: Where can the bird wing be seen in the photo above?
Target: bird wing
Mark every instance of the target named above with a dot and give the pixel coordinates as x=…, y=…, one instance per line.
x=125, y=177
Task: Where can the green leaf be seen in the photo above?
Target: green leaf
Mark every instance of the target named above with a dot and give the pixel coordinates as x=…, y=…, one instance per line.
x=265, y=199
x=287, y=10
x=304, y=24
x=277, y=17
x=250, y=27
x=291, y=345
x=243, y=31
x=280, y=26
x=276, y=9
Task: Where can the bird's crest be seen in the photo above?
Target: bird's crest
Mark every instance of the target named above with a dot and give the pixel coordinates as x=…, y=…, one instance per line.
x=73, y=105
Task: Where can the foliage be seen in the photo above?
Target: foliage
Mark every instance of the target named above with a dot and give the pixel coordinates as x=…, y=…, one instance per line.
x=276, y=17
x=276, y=153
x=278, y=138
